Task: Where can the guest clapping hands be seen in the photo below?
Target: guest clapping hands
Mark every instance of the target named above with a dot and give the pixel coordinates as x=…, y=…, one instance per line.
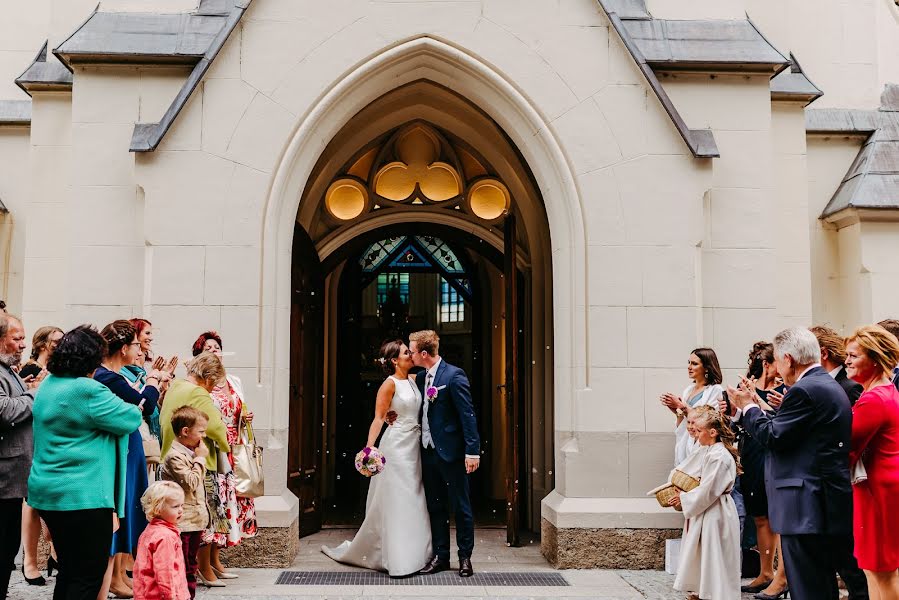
x=703, y=369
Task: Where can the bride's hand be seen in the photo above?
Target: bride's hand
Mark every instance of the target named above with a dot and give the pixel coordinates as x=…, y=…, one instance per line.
x=390, y=417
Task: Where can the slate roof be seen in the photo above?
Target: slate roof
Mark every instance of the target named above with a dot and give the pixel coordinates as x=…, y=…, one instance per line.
x=793, y=85
x=123, y=37
x=716, y=45
x=44, y=75
x=872, y=181
x=15, y=112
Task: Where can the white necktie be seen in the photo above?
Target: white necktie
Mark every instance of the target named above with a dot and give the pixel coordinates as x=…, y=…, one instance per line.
x=426, y=439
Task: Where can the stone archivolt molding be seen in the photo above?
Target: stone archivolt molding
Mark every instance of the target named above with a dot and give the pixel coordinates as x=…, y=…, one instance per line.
x=417, y=168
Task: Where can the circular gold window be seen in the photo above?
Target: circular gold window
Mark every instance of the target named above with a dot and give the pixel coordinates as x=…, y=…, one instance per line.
x=346, y=199
x=489, y=199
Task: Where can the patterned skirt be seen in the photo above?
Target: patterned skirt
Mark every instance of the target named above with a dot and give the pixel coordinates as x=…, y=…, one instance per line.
x=232, y=518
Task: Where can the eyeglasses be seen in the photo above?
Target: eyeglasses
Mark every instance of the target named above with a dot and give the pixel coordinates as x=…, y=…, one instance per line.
x=134, y=344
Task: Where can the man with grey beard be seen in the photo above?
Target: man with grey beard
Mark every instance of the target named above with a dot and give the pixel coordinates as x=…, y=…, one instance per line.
x=16, y=442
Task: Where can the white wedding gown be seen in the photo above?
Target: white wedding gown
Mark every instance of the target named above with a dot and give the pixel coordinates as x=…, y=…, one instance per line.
x=396, y=534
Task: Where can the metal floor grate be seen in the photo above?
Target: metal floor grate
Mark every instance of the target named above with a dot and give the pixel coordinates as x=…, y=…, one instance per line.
x=532, y=579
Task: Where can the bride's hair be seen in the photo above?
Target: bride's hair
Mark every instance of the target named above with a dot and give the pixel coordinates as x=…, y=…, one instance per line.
x=390, y=351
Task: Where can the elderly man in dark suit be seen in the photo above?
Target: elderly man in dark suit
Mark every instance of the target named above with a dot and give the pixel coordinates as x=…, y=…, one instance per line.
x=807, y=465
x=16, y=443
x=833, y=355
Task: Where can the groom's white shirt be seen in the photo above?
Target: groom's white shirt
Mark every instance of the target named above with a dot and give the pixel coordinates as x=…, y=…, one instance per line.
x=426, y=440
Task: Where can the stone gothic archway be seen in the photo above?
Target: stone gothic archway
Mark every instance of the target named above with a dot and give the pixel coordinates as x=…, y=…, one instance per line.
x=562, y=251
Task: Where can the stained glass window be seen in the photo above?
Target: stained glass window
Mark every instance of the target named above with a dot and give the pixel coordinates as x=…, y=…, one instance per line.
x=378, y=252
x=452, y=307
x=393, y=283
x=441, y=253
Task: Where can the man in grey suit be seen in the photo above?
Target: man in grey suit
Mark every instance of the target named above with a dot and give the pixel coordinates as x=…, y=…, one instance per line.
x=16, y=442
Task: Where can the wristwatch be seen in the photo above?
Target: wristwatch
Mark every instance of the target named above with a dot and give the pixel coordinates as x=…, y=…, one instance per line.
x=680, y=412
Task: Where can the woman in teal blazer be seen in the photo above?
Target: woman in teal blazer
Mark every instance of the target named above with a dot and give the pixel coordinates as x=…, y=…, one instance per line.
x=77, y=478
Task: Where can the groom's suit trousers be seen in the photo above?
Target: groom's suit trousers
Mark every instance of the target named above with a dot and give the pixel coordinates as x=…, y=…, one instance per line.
x=446, y=484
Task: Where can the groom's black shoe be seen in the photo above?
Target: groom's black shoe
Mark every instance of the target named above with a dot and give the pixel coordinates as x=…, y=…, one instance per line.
x=435, y=566
x=465, y=568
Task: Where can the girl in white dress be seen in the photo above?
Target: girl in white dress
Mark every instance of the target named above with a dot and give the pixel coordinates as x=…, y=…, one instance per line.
x=710, y=547
x=396, y=534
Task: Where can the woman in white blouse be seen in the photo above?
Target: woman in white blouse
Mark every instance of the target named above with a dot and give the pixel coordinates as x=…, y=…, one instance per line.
x=704, y=370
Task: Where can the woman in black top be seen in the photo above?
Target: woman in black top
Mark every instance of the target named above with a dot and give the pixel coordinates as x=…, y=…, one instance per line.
x=42, y=346
x=752, y=482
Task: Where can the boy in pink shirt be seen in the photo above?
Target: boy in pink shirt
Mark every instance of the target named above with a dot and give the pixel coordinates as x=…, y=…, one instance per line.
x=159, y=565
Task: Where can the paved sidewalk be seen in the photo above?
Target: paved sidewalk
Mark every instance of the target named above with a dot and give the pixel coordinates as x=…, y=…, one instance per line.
x=491, y=555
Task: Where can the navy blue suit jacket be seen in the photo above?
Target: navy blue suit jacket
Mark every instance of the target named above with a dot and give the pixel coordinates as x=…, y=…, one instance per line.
x=807, y=463
x=451, y=418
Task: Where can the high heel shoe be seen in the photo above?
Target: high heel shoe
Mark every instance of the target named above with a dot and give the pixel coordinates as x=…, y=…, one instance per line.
x=39, y=580
x=210, y=584
x=224, y=574
x=52, y=564
x=754, y=589
x=784, y=593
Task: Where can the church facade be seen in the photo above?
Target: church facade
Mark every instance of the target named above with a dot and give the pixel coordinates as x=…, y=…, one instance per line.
x=575, y=193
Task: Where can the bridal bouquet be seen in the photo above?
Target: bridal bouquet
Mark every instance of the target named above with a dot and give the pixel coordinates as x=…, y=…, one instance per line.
x=370, y=462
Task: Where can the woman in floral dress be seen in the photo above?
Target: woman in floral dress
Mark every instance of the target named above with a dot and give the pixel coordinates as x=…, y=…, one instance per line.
x=234, y=518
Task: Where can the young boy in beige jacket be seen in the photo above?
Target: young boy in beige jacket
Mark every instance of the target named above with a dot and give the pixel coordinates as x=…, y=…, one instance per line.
x=185, y=464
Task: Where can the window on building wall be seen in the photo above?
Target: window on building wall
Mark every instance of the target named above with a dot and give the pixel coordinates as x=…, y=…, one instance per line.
x=452, y=307
x=389, y=283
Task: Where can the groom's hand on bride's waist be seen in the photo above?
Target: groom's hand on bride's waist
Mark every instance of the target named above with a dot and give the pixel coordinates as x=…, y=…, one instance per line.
x=390, y=417
x=472, y=464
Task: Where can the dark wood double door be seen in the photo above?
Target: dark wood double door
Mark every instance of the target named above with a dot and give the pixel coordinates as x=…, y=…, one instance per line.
x=306, y=459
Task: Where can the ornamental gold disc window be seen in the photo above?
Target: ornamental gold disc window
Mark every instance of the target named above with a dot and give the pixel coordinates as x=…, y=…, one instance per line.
x=417, y=168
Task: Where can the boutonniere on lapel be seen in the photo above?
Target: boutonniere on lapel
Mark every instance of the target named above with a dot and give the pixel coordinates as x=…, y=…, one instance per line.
x=432, y=392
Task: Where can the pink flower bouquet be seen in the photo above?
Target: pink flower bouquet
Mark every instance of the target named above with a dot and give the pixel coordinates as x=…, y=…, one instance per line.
x=370, y=462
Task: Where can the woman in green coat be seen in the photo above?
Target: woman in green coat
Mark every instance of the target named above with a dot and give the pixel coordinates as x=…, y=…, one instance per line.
x=77, y=478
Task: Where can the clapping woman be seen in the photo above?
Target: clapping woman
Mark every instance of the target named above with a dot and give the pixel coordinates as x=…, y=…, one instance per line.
x=762, y=373
x=241, y=523
x=123, y=348
x=704, y=370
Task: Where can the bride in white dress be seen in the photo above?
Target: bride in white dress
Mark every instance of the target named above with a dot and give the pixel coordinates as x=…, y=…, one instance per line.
x=396, y=534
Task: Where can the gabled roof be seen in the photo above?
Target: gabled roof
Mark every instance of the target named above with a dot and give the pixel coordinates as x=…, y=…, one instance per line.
x=15, y=112
x=872, y=181
x=45, y=75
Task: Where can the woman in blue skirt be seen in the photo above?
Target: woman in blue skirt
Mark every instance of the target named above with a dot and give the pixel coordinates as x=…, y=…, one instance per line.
x=123, y=348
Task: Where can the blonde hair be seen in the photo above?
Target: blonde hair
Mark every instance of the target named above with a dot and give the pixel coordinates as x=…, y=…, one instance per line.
x=710, y=417
x=880, y=345
x=157, y=493
x=206, y=366
x=426, y=341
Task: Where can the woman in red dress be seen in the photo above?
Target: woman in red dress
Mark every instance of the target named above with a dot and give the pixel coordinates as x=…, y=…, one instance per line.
x=871, y=354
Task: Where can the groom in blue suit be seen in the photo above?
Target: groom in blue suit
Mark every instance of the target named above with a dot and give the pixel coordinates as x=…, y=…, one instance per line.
x=451, y=450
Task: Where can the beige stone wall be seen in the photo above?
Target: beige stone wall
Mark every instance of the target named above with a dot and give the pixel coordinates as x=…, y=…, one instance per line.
x=653, y=252
x=14, y=192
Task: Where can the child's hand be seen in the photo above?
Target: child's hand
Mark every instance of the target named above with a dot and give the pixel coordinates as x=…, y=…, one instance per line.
x=202, y=450
x=675, y=502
